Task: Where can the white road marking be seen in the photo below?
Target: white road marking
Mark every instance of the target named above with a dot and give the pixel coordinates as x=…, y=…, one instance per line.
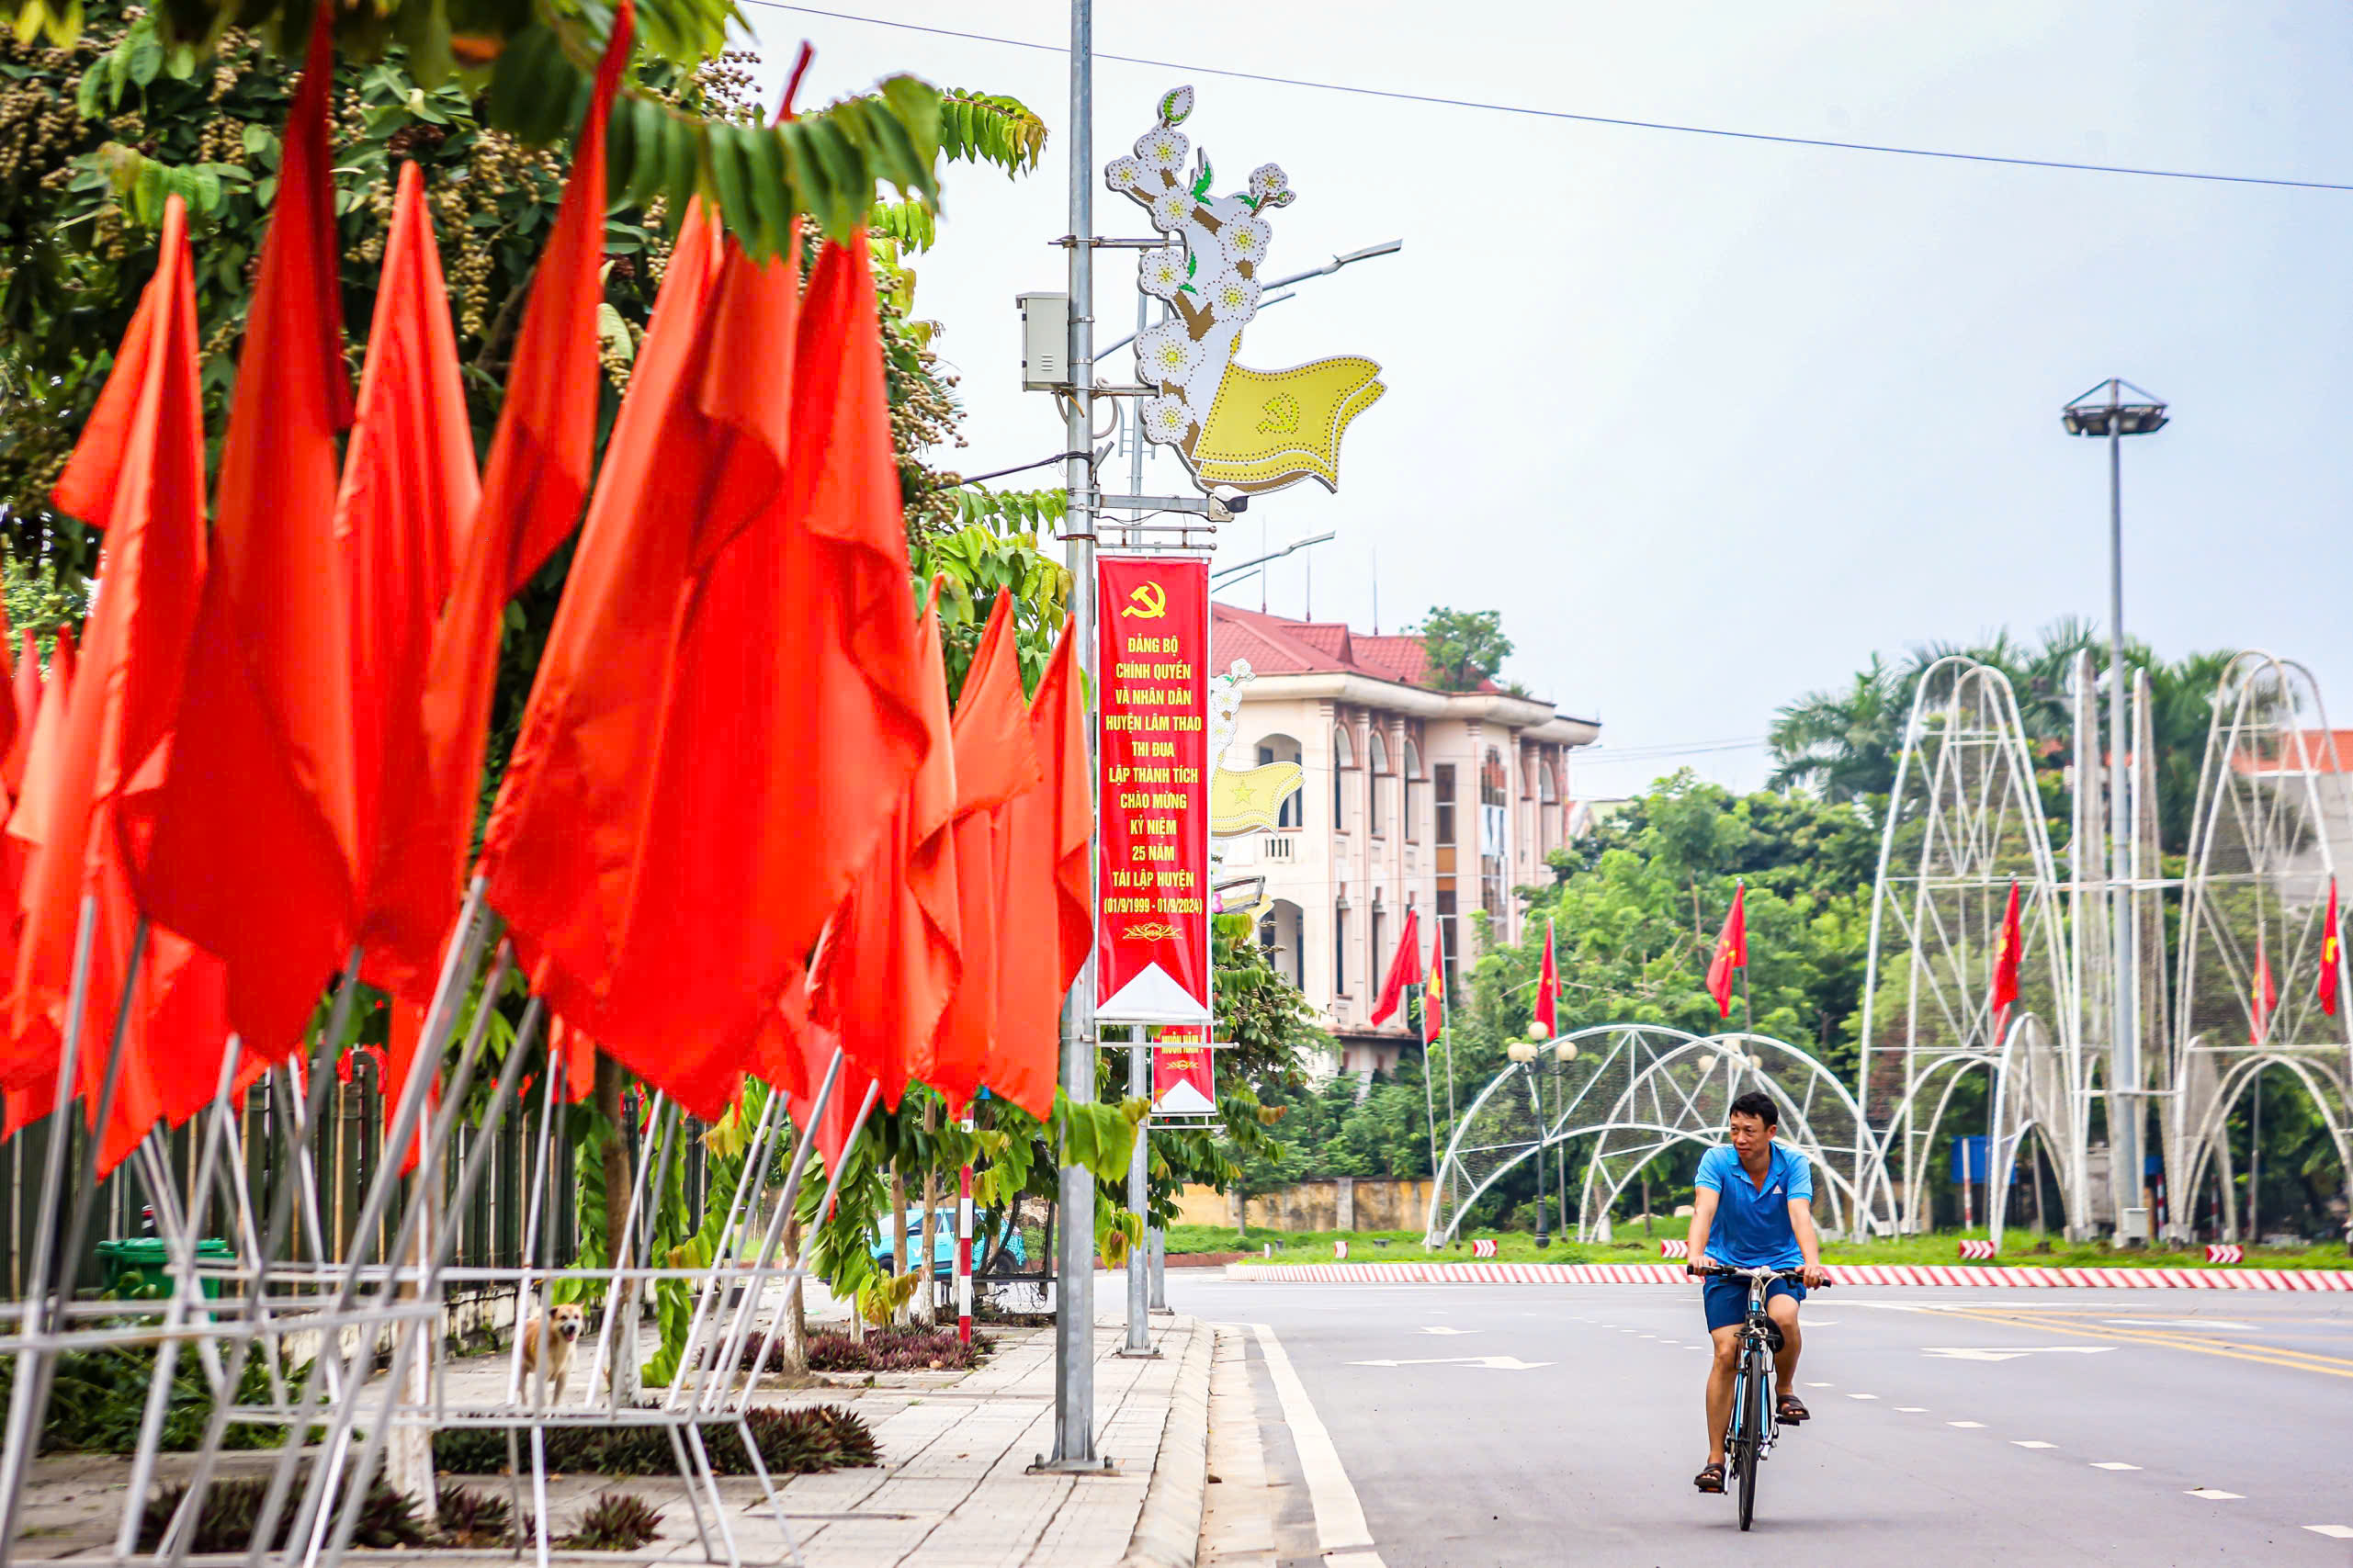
x=1964, y=1423
x=1913, y=1409
x=1496, y=1363
x=1821, y=1385
x=1340, y=1518
x=2010, y=1352
x=2030, y=1443
x=1442, y=1328
x=2333, y=1532
x=2113, y=1464
x=1862, y=1396
x=2212, y=1495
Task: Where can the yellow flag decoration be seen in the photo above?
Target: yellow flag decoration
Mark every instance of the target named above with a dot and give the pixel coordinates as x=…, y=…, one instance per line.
x=1235, y=427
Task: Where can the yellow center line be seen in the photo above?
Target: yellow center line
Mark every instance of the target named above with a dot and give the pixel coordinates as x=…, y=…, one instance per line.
x=2297, y=1360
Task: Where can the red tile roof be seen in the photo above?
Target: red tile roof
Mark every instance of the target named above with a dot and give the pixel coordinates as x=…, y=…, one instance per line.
x=1277, y=645
x=2329, y=750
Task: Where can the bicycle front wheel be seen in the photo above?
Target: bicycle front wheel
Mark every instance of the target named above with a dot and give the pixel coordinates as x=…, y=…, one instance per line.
x=1756, y=1388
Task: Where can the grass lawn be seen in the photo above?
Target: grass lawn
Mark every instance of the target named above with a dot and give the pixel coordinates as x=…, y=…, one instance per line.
x=1520, y=1247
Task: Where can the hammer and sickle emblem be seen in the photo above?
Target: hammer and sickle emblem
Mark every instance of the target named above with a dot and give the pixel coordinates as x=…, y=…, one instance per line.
x=1146, y=601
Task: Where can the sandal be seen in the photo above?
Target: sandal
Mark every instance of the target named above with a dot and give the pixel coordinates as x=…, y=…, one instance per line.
x=1790, y=1411
x=1710, y=1478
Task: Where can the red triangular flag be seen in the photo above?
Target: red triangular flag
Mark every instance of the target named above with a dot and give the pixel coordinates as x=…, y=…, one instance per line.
x=1731, y=950
x=27, y=689
x=252, y=839
x=2331, y=955
x=533, y=487
x=2264, y=999
x=1434, y=995
x=996, y=760
x=2007, y=949
x=1405, y=969
x=409, y=492
x=1047, y=887
x=891, y=956
x=29, y=1045
x=137, y=474
x=405, y=1033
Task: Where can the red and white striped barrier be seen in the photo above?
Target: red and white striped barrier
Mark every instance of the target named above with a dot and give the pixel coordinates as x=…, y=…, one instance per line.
x=2225, y=1252
x=1974, y=1249
x=1483, y=1247
x=963, y=1254
x=1976, y=1277
x=1340, y=1249
x=1674, y=1249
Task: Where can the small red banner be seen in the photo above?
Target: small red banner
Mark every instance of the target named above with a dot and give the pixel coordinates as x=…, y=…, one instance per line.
x=1184, y=1076
x=1153, y=686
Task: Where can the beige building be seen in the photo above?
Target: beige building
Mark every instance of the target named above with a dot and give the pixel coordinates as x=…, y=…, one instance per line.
x=1438, y=802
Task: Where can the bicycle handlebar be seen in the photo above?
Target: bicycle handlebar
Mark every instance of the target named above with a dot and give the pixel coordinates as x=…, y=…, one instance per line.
x=1729, y=1271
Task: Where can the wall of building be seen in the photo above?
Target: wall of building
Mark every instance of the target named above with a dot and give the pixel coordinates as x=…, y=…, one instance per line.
x=1337, y=1203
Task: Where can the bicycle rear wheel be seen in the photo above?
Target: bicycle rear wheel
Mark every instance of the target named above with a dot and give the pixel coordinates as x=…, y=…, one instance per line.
x=1756, y=1387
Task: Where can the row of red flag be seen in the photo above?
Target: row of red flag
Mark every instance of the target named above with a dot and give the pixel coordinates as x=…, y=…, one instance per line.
x=740, y=825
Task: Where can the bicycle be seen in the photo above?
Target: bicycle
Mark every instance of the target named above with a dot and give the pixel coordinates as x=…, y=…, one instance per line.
x=1749, y=1439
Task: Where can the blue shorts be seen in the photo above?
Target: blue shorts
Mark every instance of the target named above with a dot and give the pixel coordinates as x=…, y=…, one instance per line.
x=1727, y=1300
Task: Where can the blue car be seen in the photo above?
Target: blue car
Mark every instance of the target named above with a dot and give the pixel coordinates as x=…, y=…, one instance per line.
x=888, y=1250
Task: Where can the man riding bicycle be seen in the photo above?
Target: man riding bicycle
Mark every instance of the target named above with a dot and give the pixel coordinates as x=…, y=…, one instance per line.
x=1753, y=1209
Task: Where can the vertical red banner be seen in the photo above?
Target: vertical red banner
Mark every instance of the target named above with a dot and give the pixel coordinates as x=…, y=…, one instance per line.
x=1184, y=1079
x=1153, y=695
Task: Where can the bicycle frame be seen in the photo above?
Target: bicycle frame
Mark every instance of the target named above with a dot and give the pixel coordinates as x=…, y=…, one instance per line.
x=1757, y=1337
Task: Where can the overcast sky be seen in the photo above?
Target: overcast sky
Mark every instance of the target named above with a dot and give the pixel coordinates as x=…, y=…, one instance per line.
x=1707, y=420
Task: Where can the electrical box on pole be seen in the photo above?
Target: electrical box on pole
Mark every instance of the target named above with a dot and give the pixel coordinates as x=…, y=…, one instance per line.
x=1046, y=341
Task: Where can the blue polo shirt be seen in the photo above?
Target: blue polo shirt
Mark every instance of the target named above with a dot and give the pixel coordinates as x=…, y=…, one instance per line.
x=1751, y=1228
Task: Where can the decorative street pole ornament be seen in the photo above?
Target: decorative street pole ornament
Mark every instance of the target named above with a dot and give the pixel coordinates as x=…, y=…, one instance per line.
x=1183, y=1076
x=1153, y=687
x=1235, y=427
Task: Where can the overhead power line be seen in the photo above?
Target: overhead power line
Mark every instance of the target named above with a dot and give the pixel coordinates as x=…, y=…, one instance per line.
x=1724, y=132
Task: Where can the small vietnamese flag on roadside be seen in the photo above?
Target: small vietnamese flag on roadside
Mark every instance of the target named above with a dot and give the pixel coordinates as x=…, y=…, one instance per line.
x=1731, y=950
x=1405, y=969
x=2005, y=956
x=2332, y=953
x=1548, y=986
x=2264, y=998
x=1433, y=996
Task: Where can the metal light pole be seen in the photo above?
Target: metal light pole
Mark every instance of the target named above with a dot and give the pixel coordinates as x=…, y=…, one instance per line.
x=2104, y=413
x=1074, y=1307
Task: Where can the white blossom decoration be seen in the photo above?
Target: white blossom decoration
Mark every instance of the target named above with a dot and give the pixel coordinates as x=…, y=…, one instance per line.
x=1163, y=148
x=1162, y=272
x=1247, y=240
x=1270, y=186
x=1171, y=210
x=1165, y=355
x=1175, y=106
x=1233, y=297
x=1167, y=419
x=1125, y=174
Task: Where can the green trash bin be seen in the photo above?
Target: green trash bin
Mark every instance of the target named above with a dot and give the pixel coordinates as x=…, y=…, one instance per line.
x=140, y=1266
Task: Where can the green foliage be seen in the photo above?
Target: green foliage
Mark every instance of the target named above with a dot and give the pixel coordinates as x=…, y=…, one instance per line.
x=231, y=1509
x=617, y=1521
x=99, y=1398
x=1465, y=647
x=801, y=1441
x=995, y=549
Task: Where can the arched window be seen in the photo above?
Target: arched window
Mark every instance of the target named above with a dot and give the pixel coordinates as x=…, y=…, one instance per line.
x=1547, y=786
x=1377, y=760
x=1412, y=794
x=1282, y=749
x=1343, y=757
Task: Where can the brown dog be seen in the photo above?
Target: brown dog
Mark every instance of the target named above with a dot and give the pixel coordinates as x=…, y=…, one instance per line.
x=568, y=1321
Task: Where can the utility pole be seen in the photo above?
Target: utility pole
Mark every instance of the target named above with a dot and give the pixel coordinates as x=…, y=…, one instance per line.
x=1074, y=1306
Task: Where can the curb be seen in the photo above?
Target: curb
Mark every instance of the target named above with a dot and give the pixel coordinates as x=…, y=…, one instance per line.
x=1168, y=1531
x=2322, y=1279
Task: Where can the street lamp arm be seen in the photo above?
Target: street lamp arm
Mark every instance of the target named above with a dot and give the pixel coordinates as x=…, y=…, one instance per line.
x=1277, y=555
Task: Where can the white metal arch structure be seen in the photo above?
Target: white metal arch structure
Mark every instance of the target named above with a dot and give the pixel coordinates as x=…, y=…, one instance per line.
x=1965, y=821
x=2033, y=1095
x=2253, y=917
x=1640, y=1089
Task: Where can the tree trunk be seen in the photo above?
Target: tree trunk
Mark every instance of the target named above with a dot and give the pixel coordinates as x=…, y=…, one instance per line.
x=927, y=1297
x=792, y=1341
x=619, y=1248
x=899, y=1219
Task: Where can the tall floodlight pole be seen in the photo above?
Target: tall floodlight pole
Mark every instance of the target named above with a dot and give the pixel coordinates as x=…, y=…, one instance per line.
x=1074, y=1307
x=2104, y=413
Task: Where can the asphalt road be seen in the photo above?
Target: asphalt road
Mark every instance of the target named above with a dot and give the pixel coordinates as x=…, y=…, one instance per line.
x=1991, y=1428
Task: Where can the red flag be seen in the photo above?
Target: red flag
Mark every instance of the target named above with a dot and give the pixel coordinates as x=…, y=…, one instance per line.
x=617, y=851
x=2331, y=955
x=409, y=491
x=892, y=959
x=1433, y=996
x=27, y=689
x=576, y=1054
x=2008, y=948
x=253, y=839
x=533, y=487
x=138, y=474
x=1731, y=950
x=996, y=760
x=2265, y=998
x=1405, y=969
x=405, y=1033
x=16, y=720
x=1548, y=986
x=1046, y=833
x=29, y=1045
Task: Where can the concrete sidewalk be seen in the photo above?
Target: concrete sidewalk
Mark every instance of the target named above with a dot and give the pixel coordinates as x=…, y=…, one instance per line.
x=951, y=1489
